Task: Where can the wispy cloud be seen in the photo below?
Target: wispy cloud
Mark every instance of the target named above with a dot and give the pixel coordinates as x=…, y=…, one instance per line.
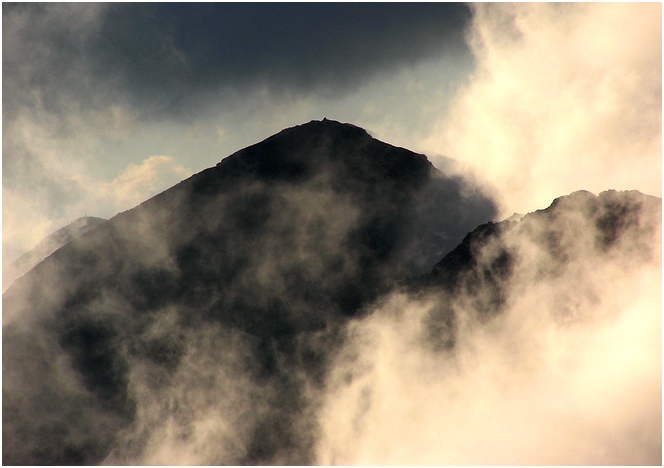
x=568, y=373
x=138, y=182
x=564, y=97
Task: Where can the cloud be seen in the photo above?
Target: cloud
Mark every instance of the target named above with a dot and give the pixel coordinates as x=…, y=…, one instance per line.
x=565, y=97
x=296, y=48
x=569, y=373
x=52, y=162
x=139, y=182
x=34, y=212
x=45, y=56
x=526, y=392
x=170, y=58
x=24, y=225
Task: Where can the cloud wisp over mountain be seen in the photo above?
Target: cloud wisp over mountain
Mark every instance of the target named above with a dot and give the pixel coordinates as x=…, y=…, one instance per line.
x=53, y=242
x=93, y=91
x=324, y=298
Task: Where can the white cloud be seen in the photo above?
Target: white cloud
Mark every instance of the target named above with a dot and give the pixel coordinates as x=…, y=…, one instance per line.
x=565, y=97
x=568, y=373
x=24, y=225
x=139, y=182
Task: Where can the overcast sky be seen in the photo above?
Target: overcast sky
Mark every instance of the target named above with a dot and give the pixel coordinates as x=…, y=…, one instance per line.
x=105, y=105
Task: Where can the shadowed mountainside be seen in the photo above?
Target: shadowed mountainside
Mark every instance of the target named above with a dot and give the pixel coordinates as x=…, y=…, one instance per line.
x=272, y=250
x=218, y=321
x=576, y=231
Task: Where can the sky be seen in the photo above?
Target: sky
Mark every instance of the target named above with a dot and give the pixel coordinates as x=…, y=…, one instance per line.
x=106, y=105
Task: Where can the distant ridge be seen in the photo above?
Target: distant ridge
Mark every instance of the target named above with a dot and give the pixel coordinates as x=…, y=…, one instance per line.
x=624, y=221
x=46, y=247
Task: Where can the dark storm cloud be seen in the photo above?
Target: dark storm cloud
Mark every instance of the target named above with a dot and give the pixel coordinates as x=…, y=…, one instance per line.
x=164, y=56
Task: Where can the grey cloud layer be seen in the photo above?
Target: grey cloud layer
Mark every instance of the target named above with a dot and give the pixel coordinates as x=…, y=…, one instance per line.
x=164, y=57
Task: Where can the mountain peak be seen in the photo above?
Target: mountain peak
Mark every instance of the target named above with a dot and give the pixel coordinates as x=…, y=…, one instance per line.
x=310, y=132
x=324, y=138
x=340, y=152
x=278, y=244
x=332, y=126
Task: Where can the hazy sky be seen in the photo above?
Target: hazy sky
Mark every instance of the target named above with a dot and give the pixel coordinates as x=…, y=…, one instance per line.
x=105, y=105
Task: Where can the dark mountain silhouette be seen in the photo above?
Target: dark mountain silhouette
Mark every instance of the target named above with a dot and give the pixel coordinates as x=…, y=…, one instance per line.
x=275, y=247
x=577, y=228
x=612, y=214
x=208, y=319
x=46, y=247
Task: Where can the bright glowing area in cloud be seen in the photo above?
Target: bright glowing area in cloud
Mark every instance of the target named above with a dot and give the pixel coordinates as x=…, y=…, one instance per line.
x=568, y=374
x=565, y=97
x=140, y=181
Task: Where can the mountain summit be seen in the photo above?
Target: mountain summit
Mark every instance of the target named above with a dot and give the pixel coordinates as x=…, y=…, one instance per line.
x=290, y=236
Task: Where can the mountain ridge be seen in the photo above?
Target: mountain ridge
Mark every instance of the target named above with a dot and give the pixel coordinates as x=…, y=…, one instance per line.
x=278, y=243
x=232, y=295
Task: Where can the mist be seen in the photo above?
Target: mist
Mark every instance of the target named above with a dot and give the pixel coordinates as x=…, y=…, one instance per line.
x=287, y=309
x=552, y=358
x=568, y=373
x=322, y=297
x=564, y=97
x=200, y=326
